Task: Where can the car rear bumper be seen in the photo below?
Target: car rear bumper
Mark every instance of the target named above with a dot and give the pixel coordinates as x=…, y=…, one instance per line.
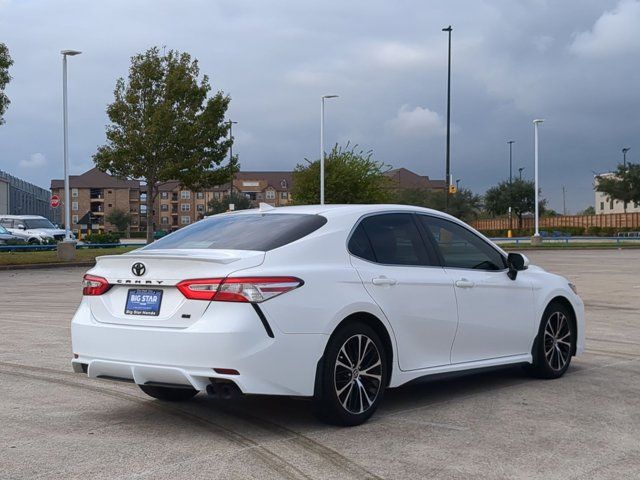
x=229, y=336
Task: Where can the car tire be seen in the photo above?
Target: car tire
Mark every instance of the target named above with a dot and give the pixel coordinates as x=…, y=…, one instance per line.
x=555, y=343
x=169, y=394
x=34, y=241
x=352, y=376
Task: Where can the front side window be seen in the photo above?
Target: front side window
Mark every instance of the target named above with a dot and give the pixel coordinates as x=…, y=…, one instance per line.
x=33, y=223
x=262, y=232
x=390, y=239
x=461, y=248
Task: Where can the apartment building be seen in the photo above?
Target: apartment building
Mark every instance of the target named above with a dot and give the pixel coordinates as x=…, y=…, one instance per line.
x=605, y=205
x=176, y=207
x=404, y=179
x=95, y=194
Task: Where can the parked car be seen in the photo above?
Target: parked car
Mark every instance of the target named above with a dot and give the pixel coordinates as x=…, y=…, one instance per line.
x=335, y=303
x=32, y=228
x=7, y=238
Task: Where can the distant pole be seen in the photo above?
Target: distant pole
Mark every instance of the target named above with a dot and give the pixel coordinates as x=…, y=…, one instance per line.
x=322, y=145
x=457, y=184
x=510, y=142
x=520, y=172
x=624, y=156
x=65, y=127
x=233, y=174
x=536, y=122
x=564, y=200
x=448, y=154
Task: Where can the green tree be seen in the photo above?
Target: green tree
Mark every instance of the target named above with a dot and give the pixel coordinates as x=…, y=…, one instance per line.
x=623, y=185
x=164, y=126
x=588, y=211
x=519, y=195
x=463, y=204
x=240, y=202
x=120, y=218
x=5, y=78
x=351, y=176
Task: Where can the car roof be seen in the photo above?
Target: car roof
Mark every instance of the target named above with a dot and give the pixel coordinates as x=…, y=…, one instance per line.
x=25, y=217
x=340, y=210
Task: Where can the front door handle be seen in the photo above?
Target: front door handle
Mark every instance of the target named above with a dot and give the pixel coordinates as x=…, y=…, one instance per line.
x=382, y=280
x=464, y=283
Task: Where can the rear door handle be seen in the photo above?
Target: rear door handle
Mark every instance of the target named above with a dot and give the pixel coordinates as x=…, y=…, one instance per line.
x=464, y=283
x=382, y=280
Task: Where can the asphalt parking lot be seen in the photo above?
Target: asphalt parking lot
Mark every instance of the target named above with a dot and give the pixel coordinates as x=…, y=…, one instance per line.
x=57, y=424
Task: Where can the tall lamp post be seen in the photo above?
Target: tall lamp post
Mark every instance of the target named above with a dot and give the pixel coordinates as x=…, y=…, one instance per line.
x=323, y=98
x=233, y=174
x=510, y=142
x=520, y=172
x=67, y=197
x=624, y=156
x=536, y=236
x=448, y=153
x=458, y=184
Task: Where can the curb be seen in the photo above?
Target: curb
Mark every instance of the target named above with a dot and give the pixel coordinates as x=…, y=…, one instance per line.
x=35, y=266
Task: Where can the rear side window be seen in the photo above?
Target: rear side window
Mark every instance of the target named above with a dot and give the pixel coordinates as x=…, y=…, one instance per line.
x=260, y=232
x=393, y=239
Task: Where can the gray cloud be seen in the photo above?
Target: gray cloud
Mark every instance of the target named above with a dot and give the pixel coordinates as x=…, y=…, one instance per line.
x=572, y=62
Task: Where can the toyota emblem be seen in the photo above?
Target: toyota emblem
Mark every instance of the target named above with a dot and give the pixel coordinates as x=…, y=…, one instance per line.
x=138, y=269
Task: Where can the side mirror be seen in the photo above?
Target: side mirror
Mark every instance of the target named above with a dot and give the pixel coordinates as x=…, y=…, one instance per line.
x=516, y=262
x=21, y=227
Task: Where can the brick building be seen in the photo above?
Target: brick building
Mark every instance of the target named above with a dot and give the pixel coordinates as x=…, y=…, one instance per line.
x=177, y=207
x=403, y=179
x=94, y=194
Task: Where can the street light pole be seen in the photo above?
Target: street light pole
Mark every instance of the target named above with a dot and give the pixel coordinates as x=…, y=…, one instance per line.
x=536, y=235
x=520, y=172
x=65, y=127
x=448, y=152
x=510, y=142
x=458, y=184
x=233, y=174
x=322, y=145
x=624, y=156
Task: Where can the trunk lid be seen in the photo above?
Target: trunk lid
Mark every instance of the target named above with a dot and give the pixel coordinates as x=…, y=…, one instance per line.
x=157, y=272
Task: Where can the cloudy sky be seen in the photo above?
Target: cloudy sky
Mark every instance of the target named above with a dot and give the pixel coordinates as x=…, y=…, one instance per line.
x=575, y=63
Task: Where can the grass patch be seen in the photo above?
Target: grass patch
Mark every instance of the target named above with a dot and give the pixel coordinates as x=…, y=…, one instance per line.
x=82, y=255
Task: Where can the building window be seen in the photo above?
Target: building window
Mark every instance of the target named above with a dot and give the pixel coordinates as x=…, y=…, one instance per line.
x=74, y=206
x=185, y=220
x=216, y=195
x=283, y=183
x=610, y=204
x=200, y=195
x=185, y=207
x=271, y=195
x=74, y=192
x=74, y=219
x=601, y=205
x=200, y=207
x=164, y=195
x=185, y=194
x=164, y=207
x=284, y=195
x=164, y=220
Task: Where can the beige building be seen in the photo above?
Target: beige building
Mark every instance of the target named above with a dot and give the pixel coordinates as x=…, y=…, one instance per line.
x=94, y=194
x=606, y=205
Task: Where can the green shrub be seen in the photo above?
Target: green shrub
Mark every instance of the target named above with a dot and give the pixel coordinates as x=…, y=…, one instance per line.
x=102, y=238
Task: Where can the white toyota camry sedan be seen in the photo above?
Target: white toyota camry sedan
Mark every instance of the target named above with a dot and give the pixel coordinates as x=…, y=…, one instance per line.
x=336, y=303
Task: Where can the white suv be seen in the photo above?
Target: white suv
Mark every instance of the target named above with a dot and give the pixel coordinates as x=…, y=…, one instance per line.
x=331, y=302
x=32, y=228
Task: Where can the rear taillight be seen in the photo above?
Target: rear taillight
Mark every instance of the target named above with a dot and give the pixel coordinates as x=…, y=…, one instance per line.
x=239, y=289
x=93, y=285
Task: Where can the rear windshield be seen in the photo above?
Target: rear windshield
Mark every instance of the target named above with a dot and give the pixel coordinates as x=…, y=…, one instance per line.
x=261, y=232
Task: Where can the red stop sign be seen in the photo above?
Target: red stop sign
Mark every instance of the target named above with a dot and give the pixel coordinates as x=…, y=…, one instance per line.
x=55, y=201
